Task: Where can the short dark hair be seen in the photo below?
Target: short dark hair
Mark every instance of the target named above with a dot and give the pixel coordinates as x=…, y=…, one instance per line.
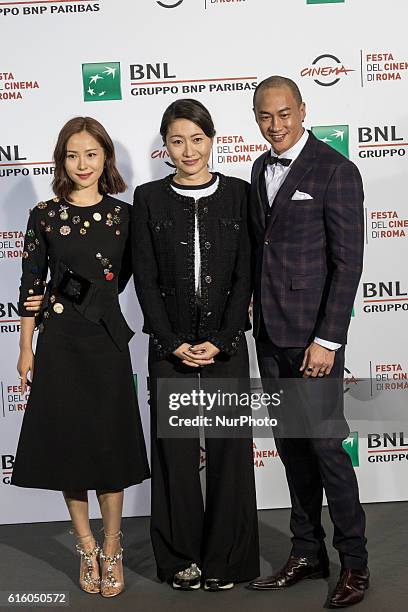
x=190, y=109
x=279, y=81
x=110, y=181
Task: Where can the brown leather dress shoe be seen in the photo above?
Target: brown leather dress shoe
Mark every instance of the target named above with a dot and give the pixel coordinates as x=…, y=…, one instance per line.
x=295, y=569
x=350, y=588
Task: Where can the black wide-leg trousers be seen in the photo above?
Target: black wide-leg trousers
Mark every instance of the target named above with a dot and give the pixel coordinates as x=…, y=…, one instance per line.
x=314, y=465
x=222, y=538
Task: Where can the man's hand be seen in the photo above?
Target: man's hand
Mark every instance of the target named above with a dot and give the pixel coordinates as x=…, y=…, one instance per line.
x=34, y=302
x=318, y=361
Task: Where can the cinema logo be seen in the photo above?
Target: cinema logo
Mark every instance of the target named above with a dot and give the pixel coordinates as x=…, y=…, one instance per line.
x=9, y=318
x=386, y=296
x=263, y=456
x=11, y=88
x=7, y=464
x=349, y=380
x=160, y=79
x=15, y=163
x=380, y=67
x=235, y=149
x=169, y=4
x=391, y=447
x=36, y=8
x=326, y=70
x=13, y=399
x=390, y=377
x=162, y=154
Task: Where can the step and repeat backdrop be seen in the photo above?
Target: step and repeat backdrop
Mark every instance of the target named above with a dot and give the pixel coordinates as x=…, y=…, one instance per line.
x=123, y=62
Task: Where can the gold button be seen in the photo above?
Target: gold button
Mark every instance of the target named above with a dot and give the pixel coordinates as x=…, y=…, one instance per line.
x=58, y=308
x=97, y=216
x=87, y=224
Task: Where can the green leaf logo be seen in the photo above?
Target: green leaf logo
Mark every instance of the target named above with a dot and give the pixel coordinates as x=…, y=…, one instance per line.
x=101, y=82
x=337, y=136
x=350, y=445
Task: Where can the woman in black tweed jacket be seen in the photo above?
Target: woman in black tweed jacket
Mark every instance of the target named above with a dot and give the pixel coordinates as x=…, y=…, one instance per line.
x=191, y=258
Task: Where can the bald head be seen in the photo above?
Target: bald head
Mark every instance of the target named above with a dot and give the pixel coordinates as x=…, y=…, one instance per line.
x=278, y=82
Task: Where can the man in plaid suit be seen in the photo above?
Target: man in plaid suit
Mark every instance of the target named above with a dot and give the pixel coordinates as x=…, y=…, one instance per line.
x=306, y=221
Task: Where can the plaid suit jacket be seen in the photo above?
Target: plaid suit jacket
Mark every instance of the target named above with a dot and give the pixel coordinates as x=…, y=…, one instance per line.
x=308, y=256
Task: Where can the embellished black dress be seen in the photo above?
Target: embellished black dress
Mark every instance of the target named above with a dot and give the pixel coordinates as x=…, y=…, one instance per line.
x=82, y=427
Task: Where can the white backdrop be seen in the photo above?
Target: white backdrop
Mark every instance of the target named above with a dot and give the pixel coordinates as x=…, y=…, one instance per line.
x=353, y=74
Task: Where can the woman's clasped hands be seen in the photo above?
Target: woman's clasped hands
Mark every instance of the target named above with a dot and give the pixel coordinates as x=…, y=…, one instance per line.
x=197, y=355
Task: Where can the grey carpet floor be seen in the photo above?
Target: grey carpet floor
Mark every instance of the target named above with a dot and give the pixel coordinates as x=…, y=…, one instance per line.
x=40, y=557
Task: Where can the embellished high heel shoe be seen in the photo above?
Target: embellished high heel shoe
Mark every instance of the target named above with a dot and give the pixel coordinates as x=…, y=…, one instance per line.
x=89, y=578
x=112, y=582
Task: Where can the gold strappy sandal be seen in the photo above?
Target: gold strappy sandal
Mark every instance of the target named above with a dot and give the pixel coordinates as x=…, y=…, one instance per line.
x=112, y=582
x=88, y=580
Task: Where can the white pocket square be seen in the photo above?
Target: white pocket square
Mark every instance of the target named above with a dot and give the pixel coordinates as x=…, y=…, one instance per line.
x=300, y=195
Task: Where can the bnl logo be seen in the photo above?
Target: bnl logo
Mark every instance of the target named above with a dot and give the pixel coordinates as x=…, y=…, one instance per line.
x=350, y=445
x=337, y=136
x=7, y=462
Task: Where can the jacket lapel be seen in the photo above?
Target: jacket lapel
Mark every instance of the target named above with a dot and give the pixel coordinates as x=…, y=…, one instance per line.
x=258, y=205
x=300, y=167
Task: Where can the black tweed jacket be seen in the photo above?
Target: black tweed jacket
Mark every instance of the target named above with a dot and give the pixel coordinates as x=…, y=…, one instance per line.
x=163, y=264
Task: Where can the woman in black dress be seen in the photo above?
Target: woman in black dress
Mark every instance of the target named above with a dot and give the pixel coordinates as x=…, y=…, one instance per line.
x=192, y=276
x=82, y=426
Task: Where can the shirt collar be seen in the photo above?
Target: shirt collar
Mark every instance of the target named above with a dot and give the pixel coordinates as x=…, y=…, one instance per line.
x=294, y=152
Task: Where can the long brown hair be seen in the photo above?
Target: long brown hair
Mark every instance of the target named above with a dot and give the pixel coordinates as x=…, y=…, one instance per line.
x=110, y=180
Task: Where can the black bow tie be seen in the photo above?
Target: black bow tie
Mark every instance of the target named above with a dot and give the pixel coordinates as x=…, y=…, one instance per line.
x=271, y=160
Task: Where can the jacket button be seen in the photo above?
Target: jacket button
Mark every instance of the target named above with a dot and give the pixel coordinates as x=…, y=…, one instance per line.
x=237, y=338
x=163, y=294
x=157, y=228
x=159, y=346
x=236, y=226
x=266, y=242
x=208, y=314
x=205, y=209
x=234, y=344
x=207, y=245
x=208, y=279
